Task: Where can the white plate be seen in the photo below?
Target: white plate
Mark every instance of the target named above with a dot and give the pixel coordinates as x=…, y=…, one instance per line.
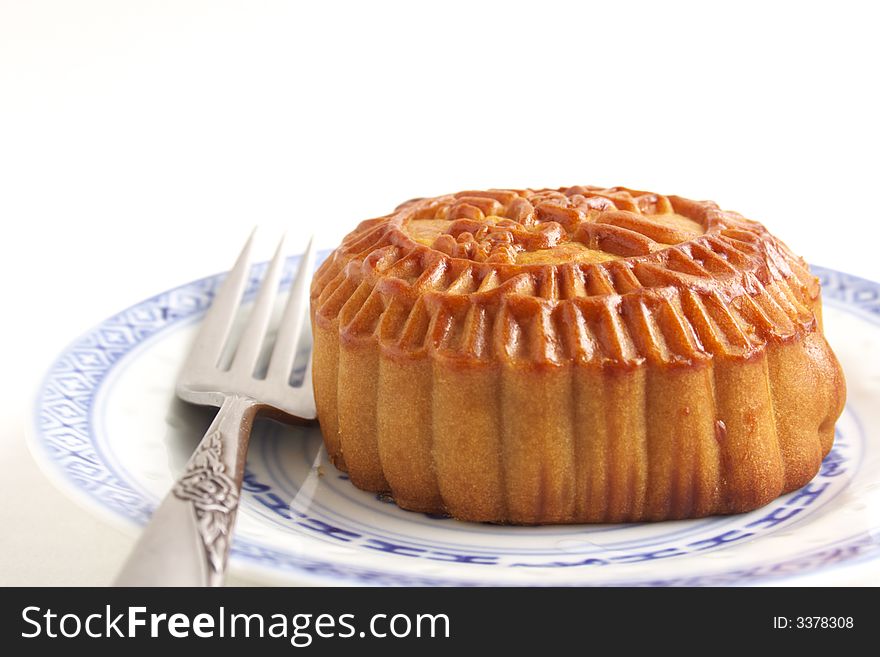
x=110, y=433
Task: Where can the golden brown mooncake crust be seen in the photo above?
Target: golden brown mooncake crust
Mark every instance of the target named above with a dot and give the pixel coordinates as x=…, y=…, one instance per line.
x=571, y=355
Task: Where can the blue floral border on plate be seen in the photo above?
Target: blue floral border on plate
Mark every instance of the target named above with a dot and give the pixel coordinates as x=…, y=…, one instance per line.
x=64, y=436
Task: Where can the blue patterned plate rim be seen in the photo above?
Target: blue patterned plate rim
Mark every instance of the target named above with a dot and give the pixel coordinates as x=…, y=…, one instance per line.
x=847, y=292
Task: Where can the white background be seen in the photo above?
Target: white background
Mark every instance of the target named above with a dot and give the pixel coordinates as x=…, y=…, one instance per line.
x=140, y=141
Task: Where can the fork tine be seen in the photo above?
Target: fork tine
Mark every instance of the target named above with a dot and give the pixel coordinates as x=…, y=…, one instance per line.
x=302, y=398
x=281, y=362
x=220, y=316
x=249, y=346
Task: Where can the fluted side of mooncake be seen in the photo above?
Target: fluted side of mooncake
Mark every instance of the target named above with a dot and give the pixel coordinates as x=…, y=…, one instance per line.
x=576, y=355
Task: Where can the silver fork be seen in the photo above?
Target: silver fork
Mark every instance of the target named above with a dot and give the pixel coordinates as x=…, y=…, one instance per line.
x=187, y=540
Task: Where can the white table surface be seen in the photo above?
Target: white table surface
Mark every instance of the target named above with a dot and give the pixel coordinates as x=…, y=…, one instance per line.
x=140, y=141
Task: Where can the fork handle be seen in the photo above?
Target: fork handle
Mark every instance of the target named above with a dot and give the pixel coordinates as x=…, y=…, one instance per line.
x=186, y=542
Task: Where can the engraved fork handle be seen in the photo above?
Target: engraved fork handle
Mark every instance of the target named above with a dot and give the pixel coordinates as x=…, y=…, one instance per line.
x=186, y=542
